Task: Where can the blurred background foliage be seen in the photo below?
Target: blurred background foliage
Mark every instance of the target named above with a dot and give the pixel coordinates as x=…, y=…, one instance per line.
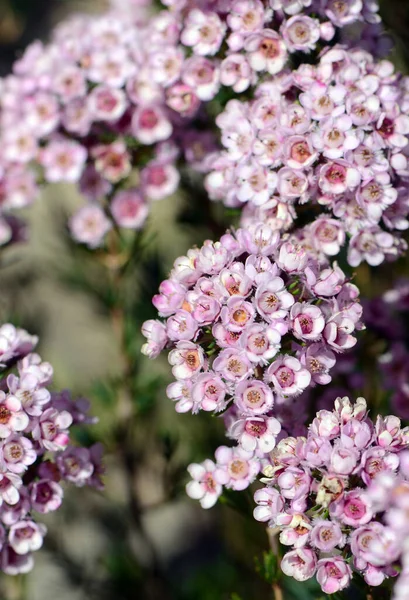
x=142, y=538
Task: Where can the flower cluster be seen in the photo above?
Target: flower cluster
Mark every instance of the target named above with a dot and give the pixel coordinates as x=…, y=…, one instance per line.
x=316, y=496
x=36, y=455
x=106, y=120
x=98, y=107
x=327, y=144
x=389, y=494
x=251, y=322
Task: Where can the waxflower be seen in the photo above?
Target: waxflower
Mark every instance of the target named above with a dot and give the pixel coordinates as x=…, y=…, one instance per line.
x=323, y=135
x=34, y=432
x=322, y=493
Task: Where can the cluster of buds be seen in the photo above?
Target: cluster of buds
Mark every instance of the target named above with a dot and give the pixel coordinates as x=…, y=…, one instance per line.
x=251, y=322
x=332, y=137
x=316, y=495
x=36, y=455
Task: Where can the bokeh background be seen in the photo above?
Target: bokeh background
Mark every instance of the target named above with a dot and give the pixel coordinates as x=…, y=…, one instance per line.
x=142, y=538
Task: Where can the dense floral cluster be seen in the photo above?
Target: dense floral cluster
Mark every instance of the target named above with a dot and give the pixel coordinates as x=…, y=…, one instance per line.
x=108, y=104
x=316, y=496
x=251, y=322
x=36, y=456
x=332, y=137
x=98, y=107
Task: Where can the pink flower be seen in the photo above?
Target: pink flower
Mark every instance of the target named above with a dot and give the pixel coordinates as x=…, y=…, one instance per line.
x=256, y=432
x=17, y=453
x=233, y=365
x=267, y=51
x=337, y=177
x=75, y=465
x=237, y=314
x=236, y=468
x=318, y=360
x=155, y=332
x=269, y=504
x=204, y=486
x=89, y=225
x=181, y=326
x=51, y=429
x=63, y=160
x=343, y=460
x=307, y=321
x=209, y=392
x=235, y=72
x=129, y=209
x=159, y=180
x=333, y=574
x=181, y=393
x=45, y=496
x=106, y=103
x=202, y=76
x=187, y=359
x=328, y=235
x=326, y=535
x=112, y=160
x=287, y=376
x=272, y=299
x=12, y=416
x=150, y=125
x=301, y=33
x=26, y=536
x=352, y=509
x=203, y=32
x=260, y=343
x=371, y=245
x=300, y=564
x=254, y=397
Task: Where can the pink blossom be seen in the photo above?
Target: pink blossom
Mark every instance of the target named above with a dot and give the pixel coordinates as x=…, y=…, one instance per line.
x=51, y=429
x=26, y=536
x=235, y=468
x=159, y=180
x=266, y=51
x=63, y=160
x=307, y=321
x=256, y=432
x=112, y=160
x=45, y=496
x=12, y=416
x=155, y=332
x=203, y=32
x=287, y=376
x=326, y=535
x=301, y=33
x=269, y=504
x=17, y=453
x=89, y=225
x=129, y=209
x=300, y=564
x=202, y=76
x=353, y=509
x=187, y=359
x=333, y=574
x=209, y=392
x=181, y=393
x=204, y=486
